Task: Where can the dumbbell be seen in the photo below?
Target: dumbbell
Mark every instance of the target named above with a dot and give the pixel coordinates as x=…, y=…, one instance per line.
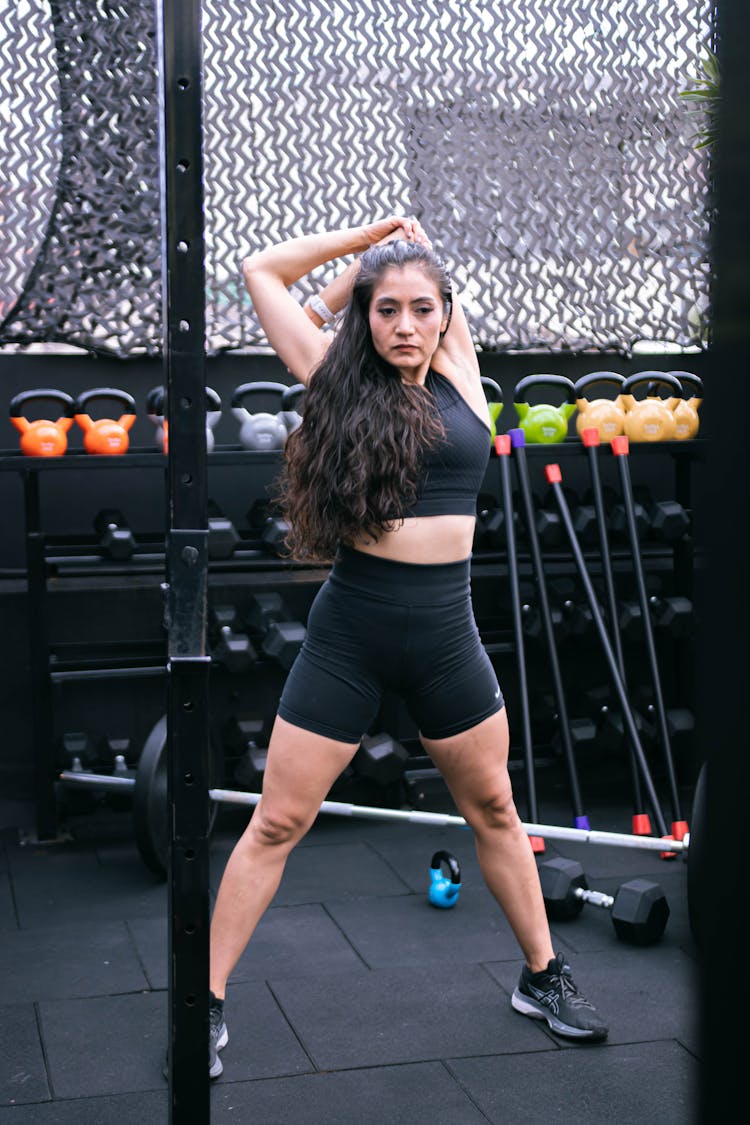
x=680, y=720
x=617, y=517
x=381, y=758
x=116, y=540
x=583, y=735
x=242, y=730
x=223, y=537
x=571, y=617
x=672, y=614
x=639, y=910
x=79, y=756
x=115, y=751
x=611, y=730
x=668, y=521
x=250, y=767
x=272, y=529
x=281, y=637
x=232, y=649
x=489, y=529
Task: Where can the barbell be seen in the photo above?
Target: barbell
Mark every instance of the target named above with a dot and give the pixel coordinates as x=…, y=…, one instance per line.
x=149, y=791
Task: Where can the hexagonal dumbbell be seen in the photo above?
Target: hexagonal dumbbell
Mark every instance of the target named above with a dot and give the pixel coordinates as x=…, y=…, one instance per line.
x=281, y=637
x=639, y=911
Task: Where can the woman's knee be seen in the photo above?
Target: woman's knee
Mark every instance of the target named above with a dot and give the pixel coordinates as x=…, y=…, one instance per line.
x=278, y=827
x=495, y=811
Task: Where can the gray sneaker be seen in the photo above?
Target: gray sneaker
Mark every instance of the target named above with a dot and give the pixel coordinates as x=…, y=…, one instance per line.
x=552, y=995
x=218, y=1037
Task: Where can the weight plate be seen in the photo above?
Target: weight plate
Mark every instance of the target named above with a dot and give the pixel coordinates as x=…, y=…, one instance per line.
x=150, y=820
x=696, y=863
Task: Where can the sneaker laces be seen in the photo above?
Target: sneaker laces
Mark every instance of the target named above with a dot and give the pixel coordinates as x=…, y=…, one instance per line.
x=569, y=989
x=215, y=1018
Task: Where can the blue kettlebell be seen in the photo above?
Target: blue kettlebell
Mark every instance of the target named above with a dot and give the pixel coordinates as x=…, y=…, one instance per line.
x=544, y=423
x=444, y=891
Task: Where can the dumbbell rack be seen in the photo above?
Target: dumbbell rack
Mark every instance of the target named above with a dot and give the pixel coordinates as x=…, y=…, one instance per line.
x=44, y=673
x=488, y=568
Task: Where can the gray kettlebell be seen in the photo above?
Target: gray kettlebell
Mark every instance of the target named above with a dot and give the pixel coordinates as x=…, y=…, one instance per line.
x=289, y=411
x=156, y=401
x=261, y=431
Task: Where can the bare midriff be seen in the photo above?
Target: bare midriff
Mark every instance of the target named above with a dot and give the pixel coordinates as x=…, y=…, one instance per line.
x=424, y=539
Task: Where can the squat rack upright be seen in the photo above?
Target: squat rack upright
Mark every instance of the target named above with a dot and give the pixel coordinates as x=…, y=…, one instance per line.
x=185, y=589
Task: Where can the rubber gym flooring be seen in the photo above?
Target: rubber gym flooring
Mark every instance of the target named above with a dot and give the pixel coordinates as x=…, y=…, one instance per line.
x=356, y=1003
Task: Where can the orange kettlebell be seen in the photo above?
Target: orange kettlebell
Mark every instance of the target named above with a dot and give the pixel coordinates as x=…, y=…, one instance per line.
x=105, y=435
x=651, y=418
x=43, y=438
x=606, y=415
x=686, y=411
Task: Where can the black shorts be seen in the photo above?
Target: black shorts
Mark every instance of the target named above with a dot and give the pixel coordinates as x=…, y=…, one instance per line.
x=409, y=628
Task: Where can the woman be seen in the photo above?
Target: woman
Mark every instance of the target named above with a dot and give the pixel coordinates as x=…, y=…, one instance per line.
x=382, y=476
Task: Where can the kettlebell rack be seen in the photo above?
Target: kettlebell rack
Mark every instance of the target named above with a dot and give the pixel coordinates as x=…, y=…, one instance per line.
x=490, y=573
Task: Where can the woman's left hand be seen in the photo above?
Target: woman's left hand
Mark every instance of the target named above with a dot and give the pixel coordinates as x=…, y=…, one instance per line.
x=386, y=230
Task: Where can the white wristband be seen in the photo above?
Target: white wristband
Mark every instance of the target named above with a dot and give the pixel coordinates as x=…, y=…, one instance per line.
x=318, y=305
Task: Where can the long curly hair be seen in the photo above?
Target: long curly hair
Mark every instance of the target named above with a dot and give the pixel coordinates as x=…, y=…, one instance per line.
x=354, y=464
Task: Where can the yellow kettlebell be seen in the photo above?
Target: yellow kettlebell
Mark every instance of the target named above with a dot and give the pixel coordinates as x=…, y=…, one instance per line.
x=686, y=411
x=651, y=418
x=606, y=415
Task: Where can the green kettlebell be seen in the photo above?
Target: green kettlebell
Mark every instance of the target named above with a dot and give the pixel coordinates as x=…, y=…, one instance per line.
x=543, y=423
x=494, y=396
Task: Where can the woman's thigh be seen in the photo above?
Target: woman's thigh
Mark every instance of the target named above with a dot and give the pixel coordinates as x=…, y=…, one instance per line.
x=301, y=767
x=474, y=765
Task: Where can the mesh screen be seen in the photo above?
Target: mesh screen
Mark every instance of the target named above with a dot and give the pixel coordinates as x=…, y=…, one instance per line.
x=544, y=146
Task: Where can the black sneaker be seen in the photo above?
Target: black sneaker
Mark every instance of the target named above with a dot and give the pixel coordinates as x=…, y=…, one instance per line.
x=218, y=1036
x=551, y=995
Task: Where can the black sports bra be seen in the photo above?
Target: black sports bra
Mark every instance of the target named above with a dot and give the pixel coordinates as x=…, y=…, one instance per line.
x=453, y=472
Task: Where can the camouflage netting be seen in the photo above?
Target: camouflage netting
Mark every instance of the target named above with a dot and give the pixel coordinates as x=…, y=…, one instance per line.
x=544, y=146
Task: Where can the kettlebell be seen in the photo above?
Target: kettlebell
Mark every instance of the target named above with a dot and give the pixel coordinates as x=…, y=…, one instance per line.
x=443, y=891
x=155, y=406
x=544, y=423
x=651, y=418
x=494, y=395
x=687, y=421
x=43, y=438
x=606, y=415
x=105, y=435
x=290, y=414
x=263, y=430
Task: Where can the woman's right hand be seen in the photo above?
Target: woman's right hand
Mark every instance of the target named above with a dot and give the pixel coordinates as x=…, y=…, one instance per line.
x=395, y=226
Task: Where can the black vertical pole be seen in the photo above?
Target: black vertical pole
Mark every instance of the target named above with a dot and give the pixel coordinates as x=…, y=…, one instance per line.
x=517, y=441
x=502, y=447
x=723, y=594
x=590, y=439
x=554, y=478
x=181, y=89
x=620, y=447
x=41, y=692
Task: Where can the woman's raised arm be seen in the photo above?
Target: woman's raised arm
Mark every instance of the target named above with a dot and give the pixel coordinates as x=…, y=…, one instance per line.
x=270, y=272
